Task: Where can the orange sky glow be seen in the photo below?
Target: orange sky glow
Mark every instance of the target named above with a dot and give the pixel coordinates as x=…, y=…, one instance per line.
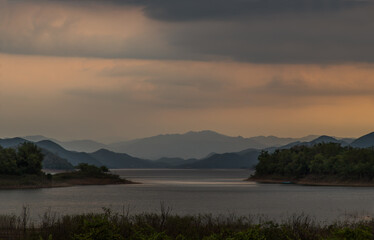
x=111, y=73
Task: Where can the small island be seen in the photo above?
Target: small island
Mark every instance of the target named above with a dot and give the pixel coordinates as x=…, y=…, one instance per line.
x=323, y=164
x=21, y=168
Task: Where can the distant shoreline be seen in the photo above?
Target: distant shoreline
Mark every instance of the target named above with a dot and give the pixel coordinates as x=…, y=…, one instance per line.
x=311, y=181
x=38, y=182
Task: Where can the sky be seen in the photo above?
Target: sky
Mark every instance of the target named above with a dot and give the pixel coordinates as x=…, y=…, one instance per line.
x=113, y=70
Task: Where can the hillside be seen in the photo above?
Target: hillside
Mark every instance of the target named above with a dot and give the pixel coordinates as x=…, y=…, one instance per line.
x=188, y=145
x=75, y=145
x=50, y=161
x=122, y=160
x=364, y=141
x=246, y=159
x=321, y=139
x=73, y=157
x=53, y=161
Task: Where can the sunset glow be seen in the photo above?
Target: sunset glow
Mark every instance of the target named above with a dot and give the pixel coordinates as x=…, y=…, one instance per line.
x=112, y=70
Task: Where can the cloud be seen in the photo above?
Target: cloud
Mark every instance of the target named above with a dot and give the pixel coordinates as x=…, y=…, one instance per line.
x=300, y=88
x=171, y=10
x=207, y=85
x=96, y=98
x=257, y=31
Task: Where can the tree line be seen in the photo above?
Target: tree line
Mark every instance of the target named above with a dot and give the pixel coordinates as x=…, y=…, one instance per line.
x=27, y=158
x=321, y=159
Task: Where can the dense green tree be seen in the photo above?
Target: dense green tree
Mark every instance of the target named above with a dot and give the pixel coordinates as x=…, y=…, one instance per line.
x=87, y=168
x=8, y=161
x=329, y=159
x=29, y=158
x=25, y=159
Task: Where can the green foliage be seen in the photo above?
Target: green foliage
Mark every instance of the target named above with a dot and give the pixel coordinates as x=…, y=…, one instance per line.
x=29, y=158
x=355, y=233
x=91, y=169
x=104, y=169
x=114, y=226
x=98, y=228
x=8, y=161
x=251, y=234
x=26, y=159
x=324, y=159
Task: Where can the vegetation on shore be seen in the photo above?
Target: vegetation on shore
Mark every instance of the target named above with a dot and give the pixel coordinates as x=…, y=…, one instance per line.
x=22, y=168
x=165, y=226
x=323, y=163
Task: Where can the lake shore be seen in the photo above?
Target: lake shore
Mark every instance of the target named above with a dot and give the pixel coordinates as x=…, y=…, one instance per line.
x=310, y=181
x=58, y=180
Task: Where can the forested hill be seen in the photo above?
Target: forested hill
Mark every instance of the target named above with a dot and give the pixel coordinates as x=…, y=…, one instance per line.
x=321, y=160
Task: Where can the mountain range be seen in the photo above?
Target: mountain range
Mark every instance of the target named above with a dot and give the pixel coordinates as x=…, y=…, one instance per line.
x=205, y=149
x=187, y=145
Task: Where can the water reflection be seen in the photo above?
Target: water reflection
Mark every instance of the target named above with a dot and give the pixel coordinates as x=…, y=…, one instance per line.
x=196, y=191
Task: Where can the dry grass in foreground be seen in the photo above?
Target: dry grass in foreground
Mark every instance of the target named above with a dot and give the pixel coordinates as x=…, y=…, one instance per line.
x=166, y=226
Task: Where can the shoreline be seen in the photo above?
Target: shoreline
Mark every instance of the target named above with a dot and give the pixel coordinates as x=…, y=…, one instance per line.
x=14, y=183
x=310, y=182
x=61, y=185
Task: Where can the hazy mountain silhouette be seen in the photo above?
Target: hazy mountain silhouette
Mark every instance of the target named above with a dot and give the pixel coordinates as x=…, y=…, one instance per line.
x=38, y=138
x=188, y=145
x=175, y=162
x=247, y=159
x=75, y=145
x=194, y=145
x=73, y=157
x=122, y=160
x=321, y=139
x=82, y=145
x=50, y=161
x=191, y=145
x=327, y=139
x=11, y=142
x=364, y=141
x=205, y=149
x=347, y=140
x=273, y=141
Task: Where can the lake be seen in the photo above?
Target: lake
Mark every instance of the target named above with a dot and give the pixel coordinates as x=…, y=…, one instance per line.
x=219, y=192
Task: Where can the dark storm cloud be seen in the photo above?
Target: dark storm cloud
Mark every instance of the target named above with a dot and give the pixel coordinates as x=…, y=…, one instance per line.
x=259, y=31
x=344, y=36
x=172, y=10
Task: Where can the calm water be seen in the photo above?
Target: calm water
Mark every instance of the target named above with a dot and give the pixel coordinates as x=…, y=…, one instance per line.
x=194, y=192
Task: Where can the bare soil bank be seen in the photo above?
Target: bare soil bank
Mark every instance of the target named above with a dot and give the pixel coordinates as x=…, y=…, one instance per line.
x=311, y=181
x=60, y=180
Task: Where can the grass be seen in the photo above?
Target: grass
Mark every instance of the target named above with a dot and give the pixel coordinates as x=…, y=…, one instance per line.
x=167, y=226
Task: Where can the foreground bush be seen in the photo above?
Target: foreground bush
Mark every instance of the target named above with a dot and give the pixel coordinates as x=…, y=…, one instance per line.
x=164, y=226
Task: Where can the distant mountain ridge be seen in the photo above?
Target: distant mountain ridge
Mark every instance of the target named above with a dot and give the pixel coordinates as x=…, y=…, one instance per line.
x=247, y=159
x=242, y=157
x=74, y=145
x=195, y=144
x=364, y=141
x=190, y=145
x=50, y=161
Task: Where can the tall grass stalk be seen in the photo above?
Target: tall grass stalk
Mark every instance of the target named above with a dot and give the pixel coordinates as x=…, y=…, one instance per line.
x=165, y=225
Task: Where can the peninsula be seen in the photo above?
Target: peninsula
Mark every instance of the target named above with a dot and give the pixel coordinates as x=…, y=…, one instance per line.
x=21, y=167
x=323, y=164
